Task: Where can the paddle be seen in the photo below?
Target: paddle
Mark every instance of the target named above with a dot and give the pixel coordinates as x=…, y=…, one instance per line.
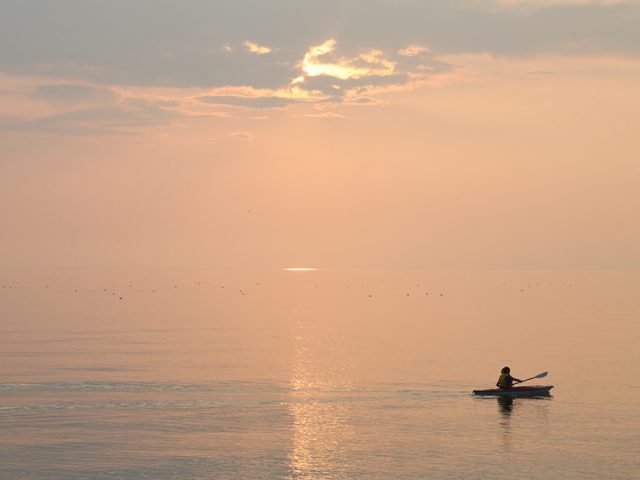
x=540, y=375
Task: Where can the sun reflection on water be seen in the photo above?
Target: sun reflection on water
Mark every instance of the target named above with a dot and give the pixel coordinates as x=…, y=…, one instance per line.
x=321, y=427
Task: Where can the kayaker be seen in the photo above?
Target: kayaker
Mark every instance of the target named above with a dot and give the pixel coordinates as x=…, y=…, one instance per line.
x=506, y=380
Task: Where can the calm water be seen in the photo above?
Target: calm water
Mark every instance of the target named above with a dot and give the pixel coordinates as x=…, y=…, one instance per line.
x=194, y=374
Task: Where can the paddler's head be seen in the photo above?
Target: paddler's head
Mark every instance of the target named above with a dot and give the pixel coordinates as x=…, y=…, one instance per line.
x=505, y=370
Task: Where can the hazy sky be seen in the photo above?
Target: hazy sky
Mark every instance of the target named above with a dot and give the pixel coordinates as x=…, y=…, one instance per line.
x=352, y=133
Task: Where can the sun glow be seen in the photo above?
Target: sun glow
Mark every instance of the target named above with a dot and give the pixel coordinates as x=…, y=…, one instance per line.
x=300, y=269
x=321, y=61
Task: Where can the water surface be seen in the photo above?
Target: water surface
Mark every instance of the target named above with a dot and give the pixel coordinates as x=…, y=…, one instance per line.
x=189, y=374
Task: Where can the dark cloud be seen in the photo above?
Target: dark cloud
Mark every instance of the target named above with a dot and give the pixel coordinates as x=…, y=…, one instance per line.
x=169, y=43
x=113, y=119
x=72, y=94
x=364, y=101
x=326, y=83
x=257, y=102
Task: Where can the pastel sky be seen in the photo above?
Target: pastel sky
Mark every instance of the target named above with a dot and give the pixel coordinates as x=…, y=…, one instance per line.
x=352, y=133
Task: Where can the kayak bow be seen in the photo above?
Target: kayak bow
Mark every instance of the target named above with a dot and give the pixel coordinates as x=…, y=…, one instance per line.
x=531, y=391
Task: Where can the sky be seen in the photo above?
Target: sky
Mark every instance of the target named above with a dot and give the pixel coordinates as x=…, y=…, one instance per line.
x=479, y=134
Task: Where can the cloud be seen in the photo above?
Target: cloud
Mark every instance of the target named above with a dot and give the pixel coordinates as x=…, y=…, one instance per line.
x=135, y=81
x=353, y=79
x=320, y=60
x=325, y=76
x=324, y=115
x=251, y=102
x=412, y=50
x=74, y=94
x=126, y=117
x=322, y=75
x=552, y=3
x=256, y=48
x=241, y=136
x=73, y=41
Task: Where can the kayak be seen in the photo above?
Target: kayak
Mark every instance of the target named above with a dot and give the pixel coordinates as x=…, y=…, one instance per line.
x=531, y=391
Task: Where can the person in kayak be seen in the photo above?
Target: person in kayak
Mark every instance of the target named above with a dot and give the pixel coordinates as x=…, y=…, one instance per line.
x=506, y=380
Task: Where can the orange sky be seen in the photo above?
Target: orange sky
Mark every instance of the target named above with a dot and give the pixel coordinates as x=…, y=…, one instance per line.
x=377, y=154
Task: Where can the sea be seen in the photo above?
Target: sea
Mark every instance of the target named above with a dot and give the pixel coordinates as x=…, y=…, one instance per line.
x=316, y=374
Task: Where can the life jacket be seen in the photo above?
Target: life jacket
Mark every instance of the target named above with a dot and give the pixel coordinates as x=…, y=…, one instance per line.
x=505, y=380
